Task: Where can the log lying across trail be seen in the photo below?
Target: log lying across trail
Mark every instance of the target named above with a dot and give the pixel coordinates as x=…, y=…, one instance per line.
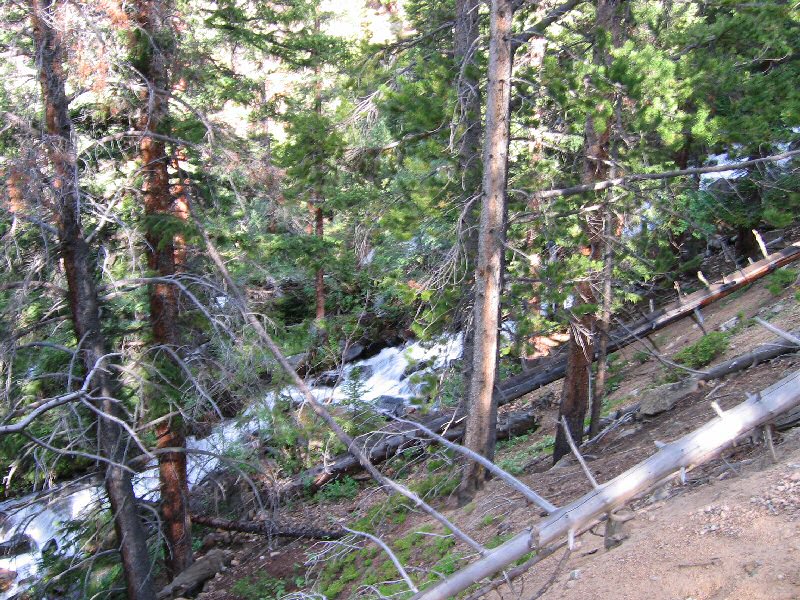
x=268, y=528
x=693, y=449
x=548, y=370
x=385, y=446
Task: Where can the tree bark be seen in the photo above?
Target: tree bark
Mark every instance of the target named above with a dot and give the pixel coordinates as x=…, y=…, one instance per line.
x=575, y=394
x=154, y=59
x=482, y=401
x=469, y=166
x=84, y=305
x=603, y=326
x=319, y=231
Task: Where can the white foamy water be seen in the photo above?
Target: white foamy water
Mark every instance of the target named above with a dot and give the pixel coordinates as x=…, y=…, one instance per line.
x=42, y=519
x=385, y=374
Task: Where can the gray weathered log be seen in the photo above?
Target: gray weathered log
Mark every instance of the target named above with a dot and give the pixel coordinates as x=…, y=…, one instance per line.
x=761, y=354
x=198, y=573
x=693, y=449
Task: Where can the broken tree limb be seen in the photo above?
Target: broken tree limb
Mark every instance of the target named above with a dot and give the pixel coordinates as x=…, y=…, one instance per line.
x=548, y=370
x=618, y=181
x=693, y=449
x=509, y=425
x=268, y=528
x=505, y=476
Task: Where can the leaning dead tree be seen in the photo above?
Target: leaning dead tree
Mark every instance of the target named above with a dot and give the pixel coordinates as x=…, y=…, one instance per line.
x=691, y=450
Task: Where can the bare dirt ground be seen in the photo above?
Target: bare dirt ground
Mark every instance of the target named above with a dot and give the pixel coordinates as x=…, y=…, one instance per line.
x=732, y=539
x=730, y=532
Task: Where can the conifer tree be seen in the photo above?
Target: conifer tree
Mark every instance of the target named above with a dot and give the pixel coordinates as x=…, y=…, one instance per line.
x=153, y=55
x=85, y=307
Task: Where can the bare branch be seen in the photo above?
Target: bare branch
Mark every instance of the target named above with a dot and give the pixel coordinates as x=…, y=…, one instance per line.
x=621, y=181
x=792, y=339
x=398, y=565
x=507, y=477
x=577, y=453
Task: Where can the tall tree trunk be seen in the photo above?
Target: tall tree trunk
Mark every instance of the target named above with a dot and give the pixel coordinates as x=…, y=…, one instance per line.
x=319, y=231
x=152, y=17
x=84, y=303
x=469, y=165
x=575, y=393
x=482, y=401
x=603, y=326
x=316, y=206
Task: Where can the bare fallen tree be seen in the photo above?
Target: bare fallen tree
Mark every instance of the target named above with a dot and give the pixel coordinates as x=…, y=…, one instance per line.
x=691, y=450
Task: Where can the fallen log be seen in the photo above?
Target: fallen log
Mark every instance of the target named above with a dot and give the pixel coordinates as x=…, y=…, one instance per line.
x=508, y=425
x=691, y=450
x=268, y=528
x=761, y=354
x=547, y=370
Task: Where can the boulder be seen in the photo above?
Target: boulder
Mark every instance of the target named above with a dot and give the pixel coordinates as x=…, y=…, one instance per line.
x=298, y=361
x=392, y=405
x=328, y=378
x=664, y=397
x=16, y=545
x=417, y=366
x=352, y=352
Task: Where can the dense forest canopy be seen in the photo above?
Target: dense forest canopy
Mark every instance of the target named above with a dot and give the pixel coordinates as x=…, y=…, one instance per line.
x=187, y=186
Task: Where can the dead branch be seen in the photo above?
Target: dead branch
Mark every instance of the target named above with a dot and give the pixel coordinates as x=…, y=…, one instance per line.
x=577, y=454
x=508, y=478
x=395, y=561
x=621, y=181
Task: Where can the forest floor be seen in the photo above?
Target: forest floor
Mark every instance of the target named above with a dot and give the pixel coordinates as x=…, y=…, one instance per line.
x=729, y=532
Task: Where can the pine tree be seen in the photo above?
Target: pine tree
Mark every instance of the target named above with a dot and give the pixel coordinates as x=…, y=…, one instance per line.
x=84, y=305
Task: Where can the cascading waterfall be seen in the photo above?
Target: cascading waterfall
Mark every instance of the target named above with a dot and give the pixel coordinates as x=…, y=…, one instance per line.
x=42, y=517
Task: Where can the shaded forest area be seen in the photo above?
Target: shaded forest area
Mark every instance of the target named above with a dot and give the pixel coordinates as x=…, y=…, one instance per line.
x=258, y=253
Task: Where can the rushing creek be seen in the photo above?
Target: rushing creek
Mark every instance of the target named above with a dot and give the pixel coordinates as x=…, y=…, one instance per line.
x=34, y=523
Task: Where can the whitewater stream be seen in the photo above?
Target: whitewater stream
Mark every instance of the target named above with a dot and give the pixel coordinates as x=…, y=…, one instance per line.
x=385, y=378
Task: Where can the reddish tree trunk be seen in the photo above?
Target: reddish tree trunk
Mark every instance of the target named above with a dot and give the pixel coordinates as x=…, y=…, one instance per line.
x=84, y=304
x=158, y=206
x=319, y=230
